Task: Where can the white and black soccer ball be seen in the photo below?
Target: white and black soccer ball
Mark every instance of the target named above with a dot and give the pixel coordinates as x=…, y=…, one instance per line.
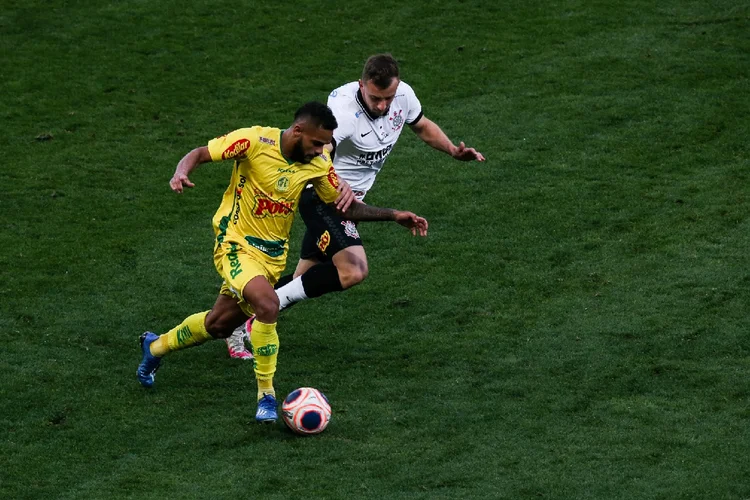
x=306, y=411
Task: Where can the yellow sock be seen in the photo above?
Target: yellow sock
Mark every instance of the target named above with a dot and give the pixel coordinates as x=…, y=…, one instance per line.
x=265, y=342
x=190, y=332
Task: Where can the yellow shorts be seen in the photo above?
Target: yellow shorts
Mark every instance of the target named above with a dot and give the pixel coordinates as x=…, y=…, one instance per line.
x=238, y=263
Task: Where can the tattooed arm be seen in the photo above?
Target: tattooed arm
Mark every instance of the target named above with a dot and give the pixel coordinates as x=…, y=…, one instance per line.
x=363, y=212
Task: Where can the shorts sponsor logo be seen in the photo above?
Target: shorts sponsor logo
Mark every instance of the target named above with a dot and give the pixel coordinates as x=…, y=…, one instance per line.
x=350, y=229
x=234, y=262
x=265, y=207
x=324, y=241
x=237, y=149
x=282, y=185
x=266, y=140
x=333, y=179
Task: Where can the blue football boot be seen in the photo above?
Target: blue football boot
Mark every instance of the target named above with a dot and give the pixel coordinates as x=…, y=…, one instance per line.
x=149, y=362
x=266, y=409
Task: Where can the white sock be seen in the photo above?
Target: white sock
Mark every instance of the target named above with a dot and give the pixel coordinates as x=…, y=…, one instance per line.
x=291, y=293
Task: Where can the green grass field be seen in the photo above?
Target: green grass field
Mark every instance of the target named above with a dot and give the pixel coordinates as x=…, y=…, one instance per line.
x=574, y=327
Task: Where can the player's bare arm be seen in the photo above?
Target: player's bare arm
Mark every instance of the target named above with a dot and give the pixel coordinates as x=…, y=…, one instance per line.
x=363, y=212
x=346, y=196
x=187, y=164
x=432, y=134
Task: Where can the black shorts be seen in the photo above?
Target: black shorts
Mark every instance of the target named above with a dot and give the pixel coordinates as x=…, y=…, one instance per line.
x=327, y=232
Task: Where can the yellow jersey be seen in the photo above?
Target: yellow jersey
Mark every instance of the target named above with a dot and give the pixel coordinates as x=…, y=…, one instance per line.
x=259, y=204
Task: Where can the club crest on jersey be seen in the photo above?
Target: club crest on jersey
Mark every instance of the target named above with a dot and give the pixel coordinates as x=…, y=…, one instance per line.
x=324, y=241
x=333, y=179
x=282, y=185
x=237, y=149
x=397, y=120
x=350, y=229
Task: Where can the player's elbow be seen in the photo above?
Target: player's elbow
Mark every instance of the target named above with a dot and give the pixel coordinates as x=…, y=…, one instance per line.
x=201, y=155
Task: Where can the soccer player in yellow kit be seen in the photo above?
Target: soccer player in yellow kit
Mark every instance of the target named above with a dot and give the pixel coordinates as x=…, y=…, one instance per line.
x=271, y=169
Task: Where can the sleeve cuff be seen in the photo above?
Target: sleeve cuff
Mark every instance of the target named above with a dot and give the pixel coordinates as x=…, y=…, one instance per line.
x=415, y=120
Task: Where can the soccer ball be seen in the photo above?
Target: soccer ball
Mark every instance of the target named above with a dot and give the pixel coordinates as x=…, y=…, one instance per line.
x=306, y=411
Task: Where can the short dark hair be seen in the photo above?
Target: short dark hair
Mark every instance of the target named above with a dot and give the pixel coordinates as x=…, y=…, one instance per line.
x=317, y=113
x=380, y=69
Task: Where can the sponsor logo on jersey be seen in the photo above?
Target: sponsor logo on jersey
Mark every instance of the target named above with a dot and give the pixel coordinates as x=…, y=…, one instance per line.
x=272, y=248
x=324, y=241
x=266, y=140
x=282, y=185
x=237, y=149
x=367, y=159
x=237, y=197
x=265, y=207
x=350, y=229
x=286, y=171
x=333, y=179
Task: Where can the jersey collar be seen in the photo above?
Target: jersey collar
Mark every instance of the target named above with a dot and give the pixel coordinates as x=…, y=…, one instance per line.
x=361, y=102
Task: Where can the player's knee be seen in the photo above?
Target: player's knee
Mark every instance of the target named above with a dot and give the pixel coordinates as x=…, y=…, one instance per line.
x=267, y=308
x=353, y=274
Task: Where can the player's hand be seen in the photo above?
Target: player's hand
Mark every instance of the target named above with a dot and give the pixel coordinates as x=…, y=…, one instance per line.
x=412, y=221
x=463, y=153
x=345, y=197
x=178, y=181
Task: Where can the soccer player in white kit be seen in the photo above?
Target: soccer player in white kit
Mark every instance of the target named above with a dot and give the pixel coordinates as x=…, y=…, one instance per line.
x=371, y=114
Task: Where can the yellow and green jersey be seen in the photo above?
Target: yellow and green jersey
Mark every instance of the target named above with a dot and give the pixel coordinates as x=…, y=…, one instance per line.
x=258, y=206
